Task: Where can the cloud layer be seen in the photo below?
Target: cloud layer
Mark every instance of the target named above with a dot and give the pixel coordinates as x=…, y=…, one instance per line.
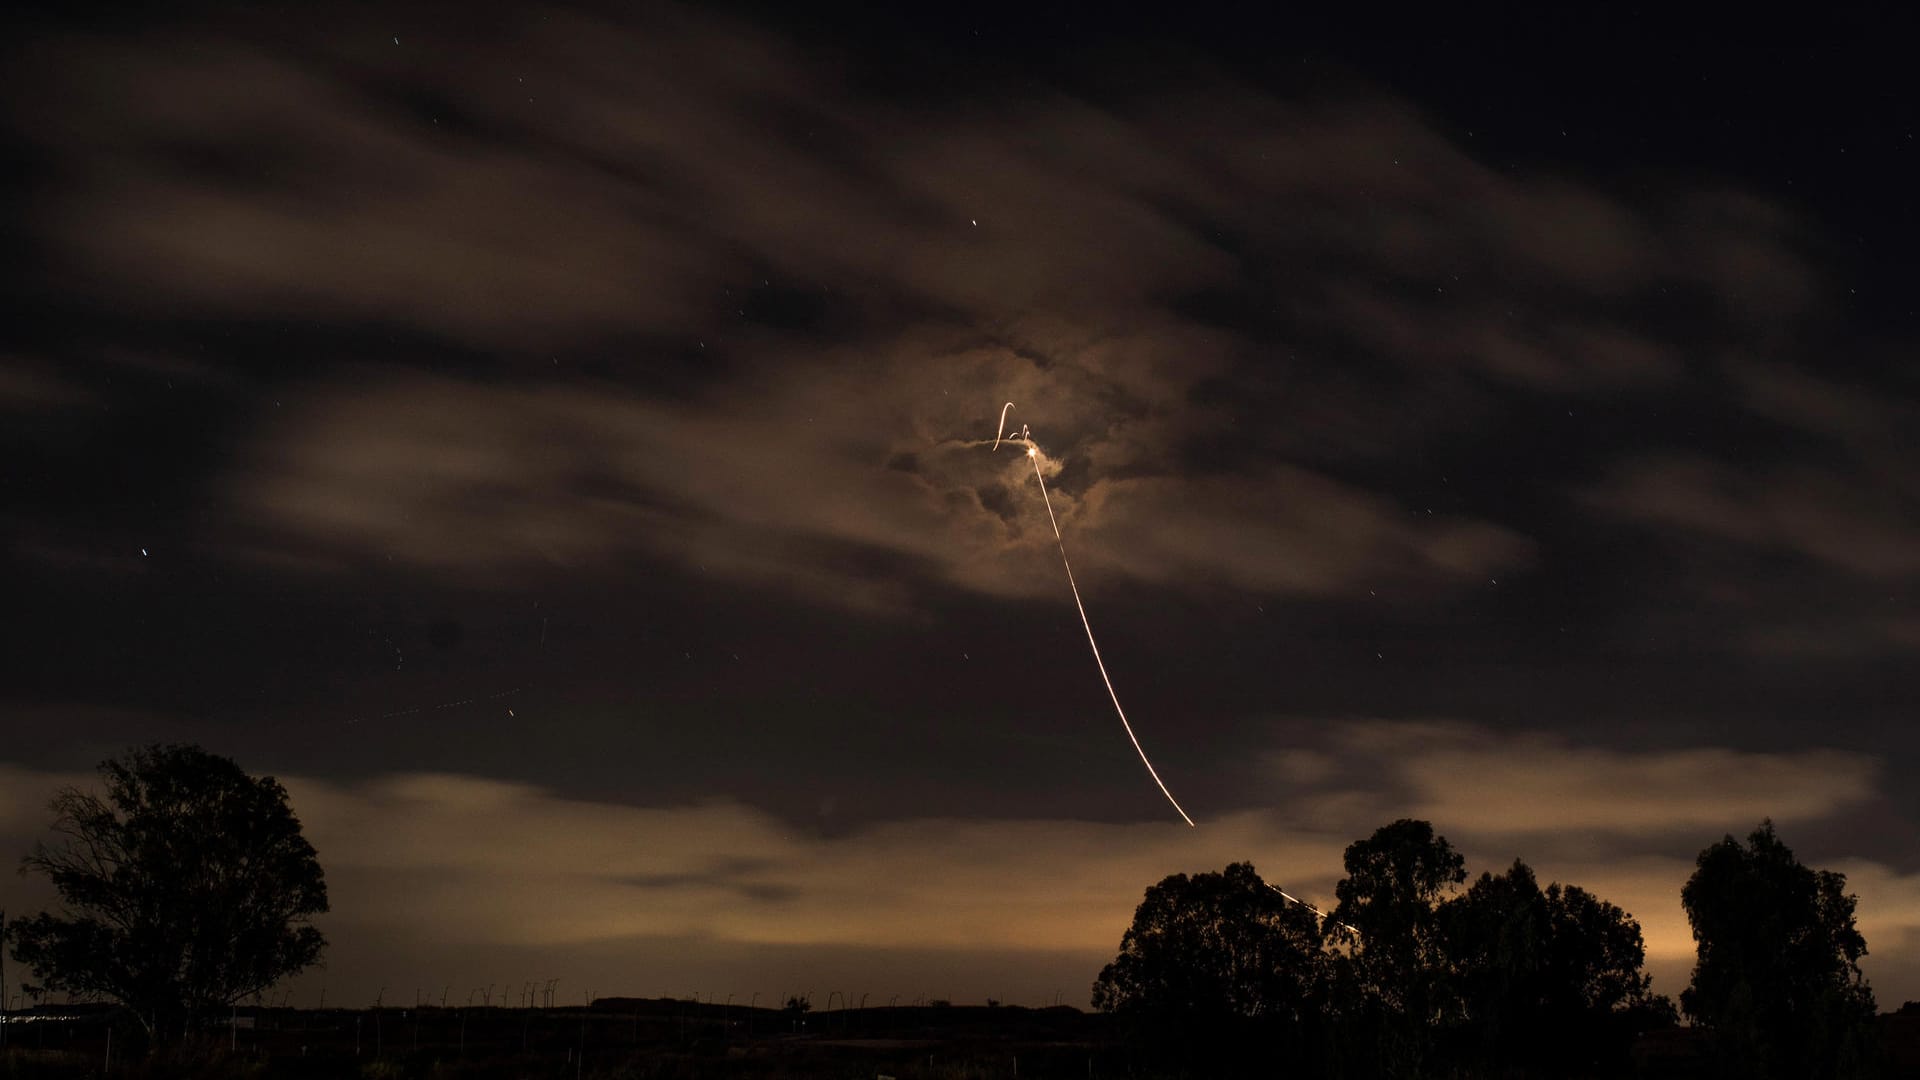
x=851, y=289
x=438, y=866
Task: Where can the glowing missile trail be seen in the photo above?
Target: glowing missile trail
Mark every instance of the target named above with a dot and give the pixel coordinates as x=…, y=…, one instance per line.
x=1033, y=455
x=1284, y=895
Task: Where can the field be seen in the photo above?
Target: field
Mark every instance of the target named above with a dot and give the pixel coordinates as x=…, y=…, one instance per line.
x=666, y=1039
x=612, y=1038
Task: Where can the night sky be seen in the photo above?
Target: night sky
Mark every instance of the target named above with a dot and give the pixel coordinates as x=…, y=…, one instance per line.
x=556, y=443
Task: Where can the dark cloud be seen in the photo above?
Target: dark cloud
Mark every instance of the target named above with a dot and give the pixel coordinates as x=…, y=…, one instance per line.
x=1856, y=527
x=581, y=191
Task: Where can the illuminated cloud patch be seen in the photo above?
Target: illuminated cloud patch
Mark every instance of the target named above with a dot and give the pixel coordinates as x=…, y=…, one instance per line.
x=1478, y=781
x=548, y=872
x=726, y=871
x=434, y=867
x=791, y=483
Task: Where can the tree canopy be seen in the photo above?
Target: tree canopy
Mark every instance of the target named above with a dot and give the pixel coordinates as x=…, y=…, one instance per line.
x=1401, y=979
x=1777, y=976
x=1221, y=970
x=1220, y=944
x=187, y=885
x=1551, y=977
x=1386, y=912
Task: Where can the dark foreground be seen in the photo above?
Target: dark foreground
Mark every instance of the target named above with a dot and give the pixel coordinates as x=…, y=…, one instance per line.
x=662, y=1039
x=613, y=1038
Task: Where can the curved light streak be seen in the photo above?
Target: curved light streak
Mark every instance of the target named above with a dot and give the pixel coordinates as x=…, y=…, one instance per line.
x=1033, y=455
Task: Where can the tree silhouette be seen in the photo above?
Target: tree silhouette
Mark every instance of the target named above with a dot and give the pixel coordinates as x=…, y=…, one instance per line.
x=1386, y=912
x=1221, y=944
x=187, y=886
x=1506, y=979
x=1220, y=969
x=1777, y=977
x=1550, y=980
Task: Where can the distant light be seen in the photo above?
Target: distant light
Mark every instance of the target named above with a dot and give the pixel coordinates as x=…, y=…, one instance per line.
x=143, y=551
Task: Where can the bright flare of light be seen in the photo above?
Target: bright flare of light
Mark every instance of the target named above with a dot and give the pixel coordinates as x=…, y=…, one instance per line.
x=1033, y=454
x=1284, y=895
